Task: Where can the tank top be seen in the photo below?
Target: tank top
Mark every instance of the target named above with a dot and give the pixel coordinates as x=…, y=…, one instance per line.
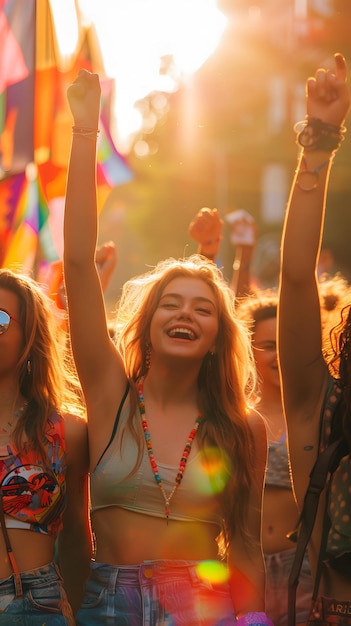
x=278, y=470
x=196, y=499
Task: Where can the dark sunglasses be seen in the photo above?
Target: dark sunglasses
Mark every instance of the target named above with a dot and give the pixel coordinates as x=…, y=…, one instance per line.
x=5, y=320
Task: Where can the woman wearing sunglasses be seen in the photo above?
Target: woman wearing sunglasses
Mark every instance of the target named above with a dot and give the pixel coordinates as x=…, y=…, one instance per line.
x=177, y=456
x=43, y=463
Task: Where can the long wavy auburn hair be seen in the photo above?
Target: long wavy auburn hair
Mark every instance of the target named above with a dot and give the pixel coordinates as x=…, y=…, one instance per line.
x=52, y=383
x=226, y=381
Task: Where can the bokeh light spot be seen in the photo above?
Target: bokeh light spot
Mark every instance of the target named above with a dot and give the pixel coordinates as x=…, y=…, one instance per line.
x=216, y=465
x=214, y=571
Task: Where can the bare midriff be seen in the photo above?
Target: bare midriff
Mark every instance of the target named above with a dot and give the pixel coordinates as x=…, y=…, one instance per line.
x=279, y=518
x=128, y=538
x=31, y=550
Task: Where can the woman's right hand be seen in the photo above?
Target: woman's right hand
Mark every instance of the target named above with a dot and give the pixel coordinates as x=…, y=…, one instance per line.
x=84, y=99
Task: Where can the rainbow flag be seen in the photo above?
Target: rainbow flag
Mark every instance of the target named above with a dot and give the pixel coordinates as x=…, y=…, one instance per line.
x=111, y=163
x=35, y=133
x=17, y=73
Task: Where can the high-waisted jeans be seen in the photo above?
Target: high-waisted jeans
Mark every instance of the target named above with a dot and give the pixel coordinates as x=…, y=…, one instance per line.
x=278, y=567
x=154, y=593
x=44, y=600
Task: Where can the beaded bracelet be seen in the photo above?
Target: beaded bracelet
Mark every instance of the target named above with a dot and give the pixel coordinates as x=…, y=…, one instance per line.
x=254, y=619
x=85, y=132
x=318, y=135
x=307, y=180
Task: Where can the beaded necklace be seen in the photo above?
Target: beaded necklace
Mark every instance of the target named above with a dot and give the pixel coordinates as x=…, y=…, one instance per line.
x=153, y=463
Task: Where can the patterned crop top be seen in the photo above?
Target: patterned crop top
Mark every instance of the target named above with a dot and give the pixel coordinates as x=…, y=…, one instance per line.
x=34, y=497
x=194, y=500
x=277, y=472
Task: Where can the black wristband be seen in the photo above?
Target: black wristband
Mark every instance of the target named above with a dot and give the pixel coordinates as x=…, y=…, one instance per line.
x=318, y=135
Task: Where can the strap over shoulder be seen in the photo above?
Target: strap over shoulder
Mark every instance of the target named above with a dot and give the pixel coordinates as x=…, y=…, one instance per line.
x=327, y=461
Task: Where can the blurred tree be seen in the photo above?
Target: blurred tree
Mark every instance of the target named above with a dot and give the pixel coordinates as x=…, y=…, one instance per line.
x=221, y=129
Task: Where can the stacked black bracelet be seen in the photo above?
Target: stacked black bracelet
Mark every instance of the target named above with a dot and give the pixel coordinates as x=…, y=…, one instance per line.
x=314, y=134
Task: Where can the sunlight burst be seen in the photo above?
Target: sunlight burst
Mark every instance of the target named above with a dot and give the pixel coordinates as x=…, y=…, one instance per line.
x=136, y=36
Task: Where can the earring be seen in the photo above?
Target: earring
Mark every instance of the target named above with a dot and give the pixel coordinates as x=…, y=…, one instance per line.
x=210, y=359
x=29, y=367
x=148, y=357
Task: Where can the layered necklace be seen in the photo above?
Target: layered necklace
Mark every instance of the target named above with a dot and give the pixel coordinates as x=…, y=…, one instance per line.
x=153, y=463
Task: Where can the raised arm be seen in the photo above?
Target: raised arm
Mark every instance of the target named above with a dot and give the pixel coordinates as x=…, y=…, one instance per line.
x=206, y=229
x=243, y=237
x=99, y=367
x=106, y=261
x=302, y=365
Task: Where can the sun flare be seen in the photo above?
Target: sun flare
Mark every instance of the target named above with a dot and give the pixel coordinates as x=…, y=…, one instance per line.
x=135, y=37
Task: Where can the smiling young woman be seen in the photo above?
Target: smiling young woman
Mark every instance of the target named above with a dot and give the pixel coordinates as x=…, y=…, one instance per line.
x=177, y=452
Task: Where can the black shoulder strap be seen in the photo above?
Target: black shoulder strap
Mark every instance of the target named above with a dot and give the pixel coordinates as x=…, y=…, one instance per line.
x=114, y=430
x=326, y=461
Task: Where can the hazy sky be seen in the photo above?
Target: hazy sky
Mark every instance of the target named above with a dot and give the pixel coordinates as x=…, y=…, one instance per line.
x=135, y=34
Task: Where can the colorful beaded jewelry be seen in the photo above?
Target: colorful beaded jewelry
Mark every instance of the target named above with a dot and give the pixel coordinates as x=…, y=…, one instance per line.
x=153, y=463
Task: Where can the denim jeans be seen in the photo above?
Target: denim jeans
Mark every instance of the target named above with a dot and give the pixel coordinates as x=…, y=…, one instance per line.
x=154, y=593
x=44, y=600
x=278, y=567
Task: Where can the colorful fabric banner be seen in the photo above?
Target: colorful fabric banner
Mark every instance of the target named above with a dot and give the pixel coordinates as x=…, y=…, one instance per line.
x=17, y=68
x=35, y=132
